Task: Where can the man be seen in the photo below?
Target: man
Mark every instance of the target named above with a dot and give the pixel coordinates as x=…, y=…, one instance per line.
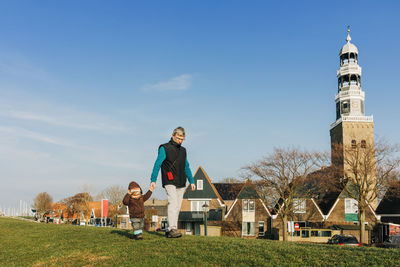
x=174, y=170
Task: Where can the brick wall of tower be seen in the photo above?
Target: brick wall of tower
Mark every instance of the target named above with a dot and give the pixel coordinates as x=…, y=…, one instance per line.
x=345, y=132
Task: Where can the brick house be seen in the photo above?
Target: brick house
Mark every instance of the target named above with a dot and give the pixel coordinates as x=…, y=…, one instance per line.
x=388, y=210
x=234, y=209
x=343, y=215
x=247, y=216
x=306, y=213
x=191, y=216
x=59, y=214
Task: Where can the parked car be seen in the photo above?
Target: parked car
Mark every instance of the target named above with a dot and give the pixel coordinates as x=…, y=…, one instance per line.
x=392, y=242
x=344, y=240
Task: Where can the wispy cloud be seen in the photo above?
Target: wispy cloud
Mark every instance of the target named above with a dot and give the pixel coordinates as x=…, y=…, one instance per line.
x=16, y=65
x=179, y=83
x=71, y=122
x=20, y=132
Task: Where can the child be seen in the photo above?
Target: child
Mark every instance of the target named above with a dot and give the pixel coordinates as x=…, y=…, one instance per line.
x=135, y=202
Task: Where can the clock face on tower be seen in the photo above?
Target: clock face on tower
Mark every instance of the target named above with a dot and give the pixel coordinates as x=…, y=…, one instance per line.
x=354, y=104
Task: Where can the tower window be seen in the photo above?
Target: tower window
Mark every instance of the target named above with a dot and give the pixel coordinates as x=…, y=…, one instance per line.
x=363, y=144
x=337, y=110
x=352, y=58
x=353, y=80
x=353, y=143
x=345, y=107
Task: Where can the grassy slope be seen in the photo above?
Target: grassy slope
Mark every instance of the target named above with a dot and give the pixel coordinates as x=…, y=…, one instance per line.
x=28, y=243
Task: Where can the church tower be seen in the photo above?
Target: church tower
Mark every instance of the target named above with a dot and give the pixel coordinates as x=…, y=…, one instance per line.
x=352, y=129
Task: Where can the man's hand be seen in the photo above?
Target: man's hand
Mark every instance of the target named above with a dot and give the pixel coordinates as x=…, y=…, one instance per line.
x=152, y=186
x=193, y=187
x=129, y=192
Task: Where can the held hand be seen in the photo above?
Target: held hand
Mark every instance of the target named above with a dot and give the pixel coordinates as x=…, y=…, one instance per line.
x=129, y=192
x=152, y=186
x=193, y=187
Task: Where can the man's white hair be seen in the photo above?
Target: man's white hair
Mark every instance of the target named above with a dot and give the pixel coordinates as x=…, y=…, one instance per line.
x=179, y=130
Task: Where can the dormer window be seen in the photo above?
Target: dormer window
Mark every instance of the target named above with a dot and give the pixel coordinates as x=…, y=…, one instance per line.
x=199, y=185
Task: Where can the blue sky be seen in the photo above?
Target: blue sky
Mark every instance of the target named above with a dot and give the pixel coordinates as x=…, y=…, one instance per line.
x=89, y=89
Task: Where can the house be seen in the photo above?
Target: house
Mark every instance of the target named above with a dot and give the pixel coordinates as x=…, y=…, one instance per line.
x=234, y=209
x=59, y=213
x=191, y=216
x=247, y=215
x=308, y=216
x=388, y=213
x=388, y=210
x=156, y=214
x=343, y=215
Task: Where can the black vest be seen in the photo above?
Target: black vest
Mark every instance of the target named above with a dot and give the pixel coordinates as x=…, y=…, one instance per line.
x=174, y=163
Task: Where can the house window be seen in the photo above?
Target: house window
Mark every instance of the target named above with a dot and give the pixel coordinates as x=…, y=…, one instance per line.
x=321, y=233
x=197, y=205
x=261, y=228
x=299, y=205
x=199, y=185
x=305, y=233
x=248, y=228
x=248, y=205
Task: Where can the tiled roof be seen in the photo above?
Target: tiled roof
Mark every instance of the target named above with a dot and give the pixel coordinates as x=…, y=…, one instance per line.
x=390, y=204
x=319, y=180
x=326, y=202
x=228, y=191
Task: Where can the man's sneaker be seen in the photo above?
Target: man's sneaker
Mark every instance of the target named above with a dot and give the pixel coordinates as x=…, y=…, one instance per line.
x=173, y=234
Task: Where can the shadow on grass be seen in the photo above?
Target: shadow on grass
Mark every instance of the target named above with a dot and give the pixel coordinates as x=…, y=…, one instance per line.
x=126, y=233
x=129, y=233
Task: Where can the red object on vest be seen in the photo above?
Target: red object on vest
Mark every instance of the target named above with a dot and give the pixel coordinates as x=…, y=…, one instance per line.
x=170, y=176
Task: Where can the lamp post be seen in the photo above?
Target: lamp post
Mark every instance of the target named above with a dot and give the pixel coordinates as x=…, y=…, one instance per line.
x=205, y=210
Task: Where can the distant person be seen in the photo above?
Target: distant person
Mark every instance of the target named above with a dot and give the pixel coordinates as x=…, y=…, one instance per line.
x=174, y=170
x=135, y=202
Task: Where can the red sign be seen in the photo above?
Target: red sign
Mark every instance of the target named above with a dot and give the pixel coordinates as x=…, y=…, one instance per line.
x=296, y=226
x=104, y=207
x=394, y=229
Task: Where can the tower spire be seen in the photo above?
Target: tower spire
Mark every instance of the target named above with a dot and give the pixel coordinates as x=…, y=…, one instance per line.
x=348, y=39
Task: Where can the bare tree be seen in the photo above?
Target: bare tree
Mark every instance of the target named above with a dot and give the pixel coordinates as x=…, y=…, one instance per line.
x=283, y=174
x=78, y=204
x=42, y=203
x=114, y=194
x=365, y=171
x=231, y=180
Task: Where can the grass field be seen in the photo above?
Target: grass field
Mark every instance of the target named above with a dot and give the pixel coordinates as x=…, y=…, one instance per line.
x=27, y=243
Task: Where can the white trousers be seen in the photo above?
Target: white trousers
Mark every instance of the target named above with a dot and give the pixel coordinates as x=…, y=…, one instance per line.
x=175, y=196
